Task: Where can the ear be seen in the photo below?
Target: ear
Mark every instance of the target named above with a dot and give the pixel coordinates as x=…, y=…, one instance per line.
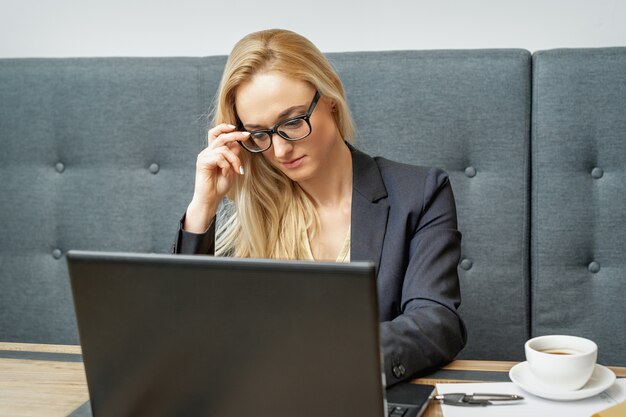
x=332, y=105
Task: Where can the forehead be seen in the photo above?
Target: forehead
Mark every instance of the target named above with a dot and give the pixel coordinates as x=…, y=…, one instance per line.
x=266, y=95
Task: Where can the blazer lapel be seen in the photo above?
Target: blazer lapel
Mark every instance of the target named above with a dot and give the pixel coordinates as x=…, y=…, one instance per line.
x=370, y=209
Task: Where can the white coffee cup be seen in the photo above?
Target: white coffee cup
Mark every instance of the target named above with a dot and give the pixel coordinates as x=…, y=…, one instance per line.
x=562, y=363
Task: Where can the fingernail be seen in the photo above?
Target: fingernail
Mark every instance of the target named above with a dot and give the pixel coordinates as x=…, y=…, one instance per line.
x=241, y=170
x=245, y=133
x=231, y=126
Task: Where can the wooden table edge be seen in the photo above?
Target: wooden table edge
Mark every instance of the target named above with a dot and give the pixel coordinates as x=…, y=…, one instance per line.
x=40, y=348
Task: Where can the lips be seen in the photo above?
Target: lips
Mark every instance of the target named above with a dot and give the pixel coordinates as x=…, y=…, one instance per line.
x=294, y=163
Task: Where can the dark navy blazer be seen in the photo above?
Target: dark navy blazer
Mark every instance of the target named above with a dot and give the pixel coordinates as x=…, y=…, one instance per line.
x=404, y=220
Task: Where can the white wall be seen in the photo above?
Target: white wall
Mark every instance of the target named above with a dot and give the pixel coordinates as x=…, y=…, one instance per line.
x=62, y=28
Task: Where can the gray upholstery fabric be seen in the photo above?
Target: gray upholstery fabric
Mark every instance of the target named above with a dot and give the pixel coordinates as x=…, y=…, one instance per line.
x=79, y=142
x=579, y=197
x=469, y=113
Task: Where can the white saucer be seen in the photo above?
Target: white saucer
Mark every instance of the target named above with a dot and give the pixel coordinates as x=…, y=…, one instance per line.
x=601, y=379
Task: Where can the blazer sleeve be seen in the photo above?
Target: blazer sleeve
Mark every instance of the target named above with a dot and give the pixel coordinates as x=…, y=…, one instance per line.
x=194, y=243
x=428, y=332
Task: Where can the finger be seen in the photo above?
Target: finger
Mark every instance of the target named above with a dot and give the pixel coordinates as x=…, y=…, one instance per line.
x=218, y=130
x=233, y=159
x=209, y=157
x=213, y=158
x=223, y=163
x=228, y=138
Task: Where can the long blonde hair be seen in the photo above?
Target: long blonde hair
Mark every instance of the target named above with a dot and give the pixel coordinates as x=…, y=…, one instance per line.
x=272, y=214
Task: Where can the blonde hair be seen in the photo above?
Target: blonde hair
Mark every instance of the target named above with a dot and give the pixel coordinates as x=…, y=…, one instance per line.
x=272, y=214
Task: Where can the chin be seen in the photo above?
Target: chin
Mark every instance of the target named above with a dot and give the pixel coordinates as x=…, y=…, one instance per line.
x=299, y=175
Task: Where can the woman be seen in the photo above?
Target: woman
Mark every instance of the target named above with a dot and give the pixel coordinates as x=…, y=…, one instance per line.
x=298, y=190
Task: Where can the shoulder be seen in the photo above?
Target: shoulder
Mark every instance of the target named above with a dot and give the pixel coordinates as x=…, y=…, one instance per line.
x=377, y=177
x=413, y=193
x=400, y=172
x=420, y=193
x=400, y=177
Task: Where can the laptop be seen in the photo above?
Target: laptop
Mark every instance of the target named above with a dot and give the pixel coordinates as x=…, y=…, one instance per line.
x=180, y=335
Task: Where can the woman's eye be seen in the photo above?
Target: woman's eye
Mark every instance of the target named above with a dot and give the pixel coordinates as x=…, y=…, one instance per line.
x=258, y=135
x=293, y=123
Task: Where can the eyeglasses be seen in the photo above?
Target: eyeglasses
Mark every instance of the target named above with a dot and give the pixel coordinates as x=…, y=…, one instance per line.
x=295, y=128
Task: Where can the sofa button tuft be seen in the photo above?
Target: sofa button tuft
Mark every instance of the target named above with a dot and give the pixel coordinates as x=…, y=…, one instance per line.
x=56, y=254
x=594, y=267
x=60, y=167
x=154, y=168
x=597, y=173
x=466, y=264
x=470, y=172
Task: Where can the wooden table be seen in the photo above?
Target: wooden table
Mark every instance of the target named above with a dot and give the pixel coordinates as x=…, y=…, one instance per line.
x=49, y=380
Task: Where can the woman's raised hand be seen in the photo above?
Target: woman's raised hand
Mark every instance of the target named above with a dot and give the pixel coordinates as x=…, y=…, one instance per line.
x=216, y=168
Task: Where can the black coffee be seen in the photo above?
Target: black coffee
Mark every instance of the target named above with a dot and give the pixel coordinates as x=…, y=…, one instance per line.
x=560, y=351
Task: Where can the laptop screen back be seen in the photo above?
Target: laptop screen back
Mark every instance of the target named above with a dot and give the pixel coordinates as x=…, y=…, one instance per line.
x=167, y=335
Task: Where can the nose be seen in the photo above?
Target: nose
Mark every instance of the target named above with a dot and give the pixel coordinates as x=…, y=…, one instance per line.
x=281, y=146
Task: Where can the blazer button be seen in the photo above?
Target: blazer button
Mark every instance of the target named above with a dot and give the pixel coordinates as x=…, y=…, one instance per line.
x=399, y=371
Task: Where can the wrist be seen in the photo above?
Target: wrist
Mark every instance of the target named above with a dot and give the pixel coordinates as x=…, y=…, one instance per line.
x=198, y=216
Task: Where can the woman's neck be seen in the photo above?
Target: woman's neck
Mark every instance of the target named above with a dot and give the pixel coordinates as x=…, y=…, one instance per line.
x=332, y=188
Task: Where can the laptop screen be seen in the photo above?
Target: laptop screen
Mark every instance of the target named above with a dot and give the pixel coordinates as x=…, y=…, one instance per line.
x=198, y=335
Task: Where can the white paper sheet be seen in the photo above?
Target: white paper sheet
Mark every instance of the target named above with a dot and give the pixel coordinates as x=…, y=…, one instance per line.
x=531, y=405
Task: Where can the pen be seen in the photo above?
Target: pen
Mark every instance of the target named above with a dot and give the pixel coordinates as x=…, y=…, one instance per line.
x=470, y=399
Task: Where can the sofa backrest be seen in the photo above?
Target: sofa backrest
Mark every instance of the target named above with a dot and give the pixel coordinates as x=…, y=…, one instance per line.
x=579, y=197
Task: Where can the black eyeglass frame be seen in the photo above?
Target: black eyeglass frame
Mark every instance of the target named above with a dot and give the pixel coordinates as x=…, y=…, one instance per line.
x=275, y=129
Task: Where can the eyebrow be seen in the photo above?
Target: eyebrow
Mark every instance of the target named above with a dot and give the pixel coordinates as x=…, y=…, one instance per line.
x=280, y=117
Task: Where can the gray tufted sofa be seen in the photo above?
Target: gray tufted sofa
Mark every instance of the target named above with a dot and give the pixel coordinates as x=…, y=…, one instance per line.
x=99, y=154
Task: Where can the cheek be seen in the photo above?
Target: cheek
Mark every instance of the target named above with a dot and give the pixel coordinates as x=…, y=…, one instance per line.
x=325, y=131
x=269, y=157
